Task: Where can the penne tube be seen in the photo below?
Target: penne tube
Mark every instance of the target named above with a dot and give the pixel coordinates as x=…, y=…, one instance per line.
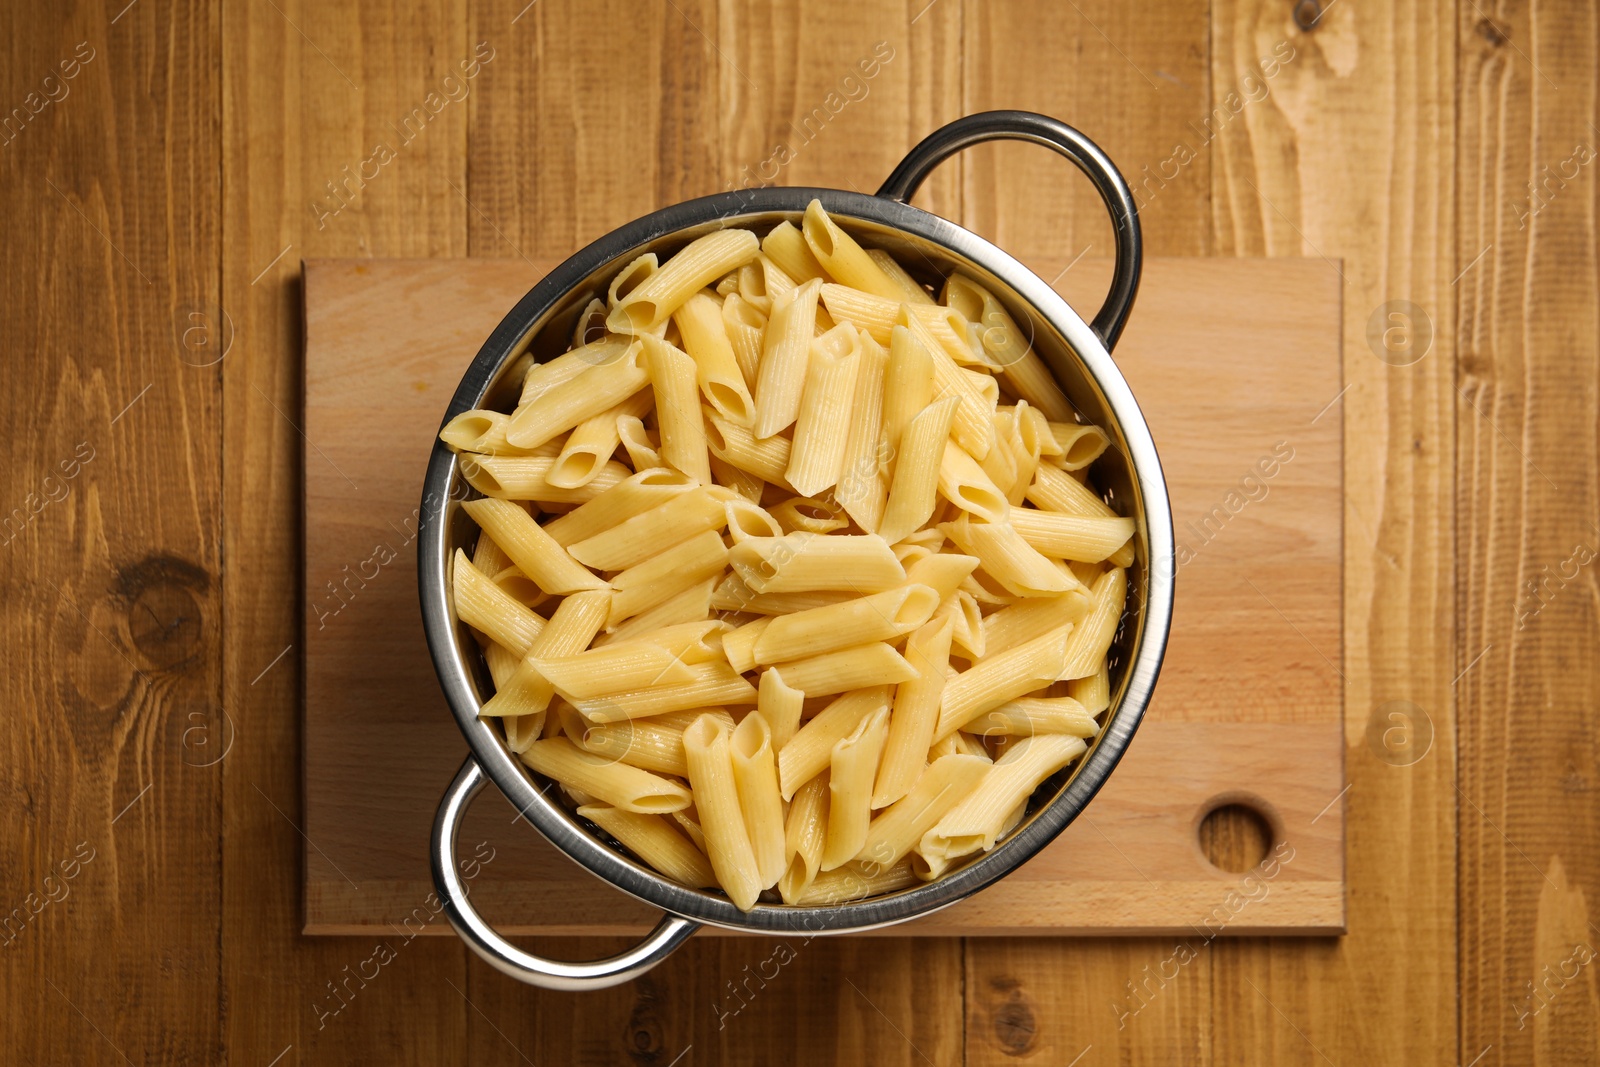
x=801, y=562
x=851, y=883
x=842, y=258
x=614, y=668
x=478, y=431
x=1001, y=462
x=739, y=646
x=852, y=765
x=907, y=386
x=895, y=832
x=745, y=520
x=877, y=317
x=997, y=679
x=755, y=773
x=785, y=354
x=642, y=446
x=1071, y=536
x=572, y=626
x=966, y=624
x=1054, y=490
x=805, y=832
x=717, y=370
x=816, y=455
x=856, y=667
x=691, y=604
x=688, y=821
x=588, y=393
x=917, y=470
x=880, y=617
x=744, y=483
x=862, y=491
x=731, y=594
x=618, y=784
x=524, y=478
x=677, y=398
x=972, y=425
x=746, y=327
x=1009, y=559
x=690, y=269
x=692, y=640
x=787, y=248
x=1031, y=618
x=592, y=442
x=780, y=704
x=910, y=290
x=659, y=578
x=975, y=823
x=809, y=750
x=534, y=551
x=490, y=610
x=590, y=326
x=713, y=684
x=543, y=377
x=649, y=533
x=652, y=744
x=916, y=713
x=1026, y=716
x=1080, y=445
x=489, y=557
x=734, y=444
x=751, y=284
x=1008, y=346
x=943, y=572
x=630, y=278
x=654, y=840
x=965, y=484
x=1087, y=647
x=774, y=279
x=805, y=514
x=1022, y=442
x=649, y=488
x=707, y=748
x=1092, y=691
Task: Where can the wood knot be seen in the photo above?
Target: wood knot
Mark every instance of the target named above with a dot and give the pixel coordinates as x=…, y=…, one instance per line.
x=643, y=1040
x=1490, y=31
x=1012, y=1018
x=165, y=620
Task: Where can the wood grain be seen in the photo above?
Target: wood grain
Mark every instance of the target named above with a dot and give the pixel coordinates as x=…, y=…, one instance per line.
x=1524, y=410
x=376, y=729
x=1398, y=143
x=112, y=564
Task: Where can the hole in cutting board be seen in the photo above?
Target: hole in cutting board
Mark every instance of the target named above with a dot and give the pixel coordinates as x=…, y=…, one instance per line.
x=1235, y=837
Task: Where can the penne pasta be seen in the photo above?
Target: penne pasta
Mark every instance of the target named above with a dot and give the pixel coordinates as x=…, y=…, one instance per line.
x=717, y=370
x=804, y=834
x=618, y=784
x=787, y=248
x=490, y=610
x=856, y=667
x=572, y=626
x=734, y=444
x=862, y=491
x=851, y=883
x=525, y=478
x=586, y=394
x=817, y=454
x=1008, y=346
x=1092, y=691
x=707, y=749
x=805, y=514
x=755, y=773
x=534, y=551
x=637, y=493
x=997, y=679
x=654, y=840
x=809, y=750
x=785, y=354
x=917, y=470
x=943, y=572
x=1087, y=647
x=592, y=443
x=801, y=562
x=677, y=399
x=907, y=386
x=653, y=300
x=1080, y=445
x=711, y=684
x=899, y=829
x=691, y=603
x=614, y=668
x=654, y=744
x=1027, y=716
x=909, y=288
x=637, y=538
x=739, y=646
x=965, y=484
x=746, y=327
x=842, y=258
x=780, y=704
x=1071, y=536
x=916, y=712
x=1030, y=618
x=852, y=765
x=1008, y=558
x=659, y=578
x=880, y=617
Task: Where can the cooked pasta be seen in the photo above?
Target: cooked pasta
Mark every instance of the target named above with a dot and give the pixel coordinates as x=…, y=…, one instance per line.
x=791, y=572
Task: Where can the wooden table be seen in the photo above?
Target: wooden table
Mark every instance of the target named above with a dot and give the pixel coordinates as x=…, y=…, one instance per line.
x=165, y=177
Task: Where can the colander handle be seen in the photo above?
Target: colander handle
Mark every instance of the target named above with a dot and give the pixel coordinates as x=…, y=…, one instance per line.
x=1052, y=133
x=501, y=954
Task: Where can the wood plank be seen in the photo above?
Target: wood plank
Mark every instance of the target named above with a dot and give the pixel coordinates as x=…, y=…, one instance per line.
x=375, y=729
x=1528, y=533
x=1350, y=157
x=112, y=557
x=310, y=91
x=1132, y=77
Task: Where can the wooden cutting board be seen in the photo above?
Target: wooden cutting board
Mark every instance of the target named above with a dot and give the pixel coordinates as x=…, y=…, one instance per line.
x=1236, y=366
